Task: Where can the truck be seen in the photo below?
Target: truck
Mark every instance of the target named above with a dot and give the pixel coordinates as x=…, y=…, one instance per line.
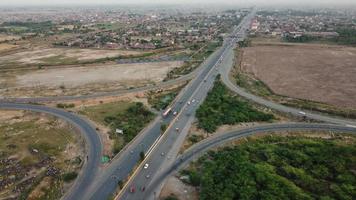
x=165, y=113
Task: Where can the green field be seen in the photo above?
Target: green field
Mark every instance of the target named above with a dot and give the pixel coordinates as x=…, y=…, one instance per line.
x=279, y=167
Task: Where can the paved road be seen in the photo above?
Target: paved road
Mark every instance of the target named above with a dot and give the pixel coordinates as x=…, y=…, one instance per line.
x=124, y=164
x=93, y=145
x=163, y=155
x=200, y=148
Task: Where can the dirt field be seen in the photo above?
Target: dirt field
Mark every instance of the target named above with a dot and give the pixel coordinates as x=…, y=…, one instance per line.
x=58, y=55
x=175, y=187
x=313, y=72
x=8, y=37
x=6, y=47
x=78, y=80
x=72, y=77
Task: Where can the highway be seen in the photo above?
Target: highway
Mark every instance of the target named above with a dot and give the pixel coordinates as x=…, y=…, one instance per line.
x=162, y=150
x=92, y=140
x=164, y=154
x=218, y=139
x=124, y=164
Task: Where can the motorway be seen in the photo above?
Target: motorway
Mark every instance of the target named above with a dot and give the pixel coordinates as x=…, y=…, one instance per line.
x=161, y=149
x=124, y=164
x=218, y=139
x=164, y=154
x=92, y=141
x=168, y=147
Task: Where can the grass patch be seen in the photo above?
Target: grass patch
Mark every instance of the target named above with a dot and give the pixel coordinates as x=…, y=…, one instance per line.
x=70, y=176
x=220, y=107
x=278, y=167
x=127, y=116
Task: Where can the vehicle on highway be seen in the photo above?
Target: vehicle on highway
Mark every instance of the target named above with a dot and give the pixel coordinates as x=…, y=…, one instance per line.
x=188, y=102
x=145, y=166
x=302, y=113
x=166, y=113
x=175, y=113
x=177, y=129
x=148, y=176
x=193, y=100
x=132, y=189
x=162, y=154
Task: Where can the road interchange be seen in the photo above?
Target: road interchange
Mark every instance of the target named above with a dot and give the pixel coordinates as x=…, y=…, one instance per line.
x=94, y=185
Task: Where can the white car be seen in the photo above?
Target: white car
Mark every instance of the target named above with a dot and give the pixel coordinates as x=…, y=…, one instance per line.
x=145, y=166
x=193, y=100
x=302, y=113
x=188, y=102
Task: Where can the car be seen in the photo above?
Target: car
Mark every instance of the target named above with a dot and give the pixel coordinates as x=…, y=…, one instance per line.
x=131, y=152
x=132, y=189
x=175, y=113
x=162, y=154
x=177, y=129
x=302, y=113
x=188, y=102
x=145, y=166
x=143, y=189
x=148, y=176
x=193, y=100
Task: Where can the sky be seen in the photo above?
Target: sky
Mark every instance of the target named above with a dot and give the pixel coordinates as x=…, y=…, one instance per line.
x=237, y=2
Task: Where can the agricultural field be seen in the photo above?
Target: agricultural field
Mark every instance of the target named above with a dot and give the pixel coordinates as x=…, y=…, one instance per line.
x=320, y=77
x=83, y=80
x=295, y=165
x=40, y=155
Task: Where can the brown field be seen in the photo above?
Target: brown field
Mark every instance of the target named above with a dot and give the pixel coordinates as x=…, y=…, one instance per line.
x=80, y=80
x=6, y=47
x=52, y=56
x=8, y=37
x=319, y=73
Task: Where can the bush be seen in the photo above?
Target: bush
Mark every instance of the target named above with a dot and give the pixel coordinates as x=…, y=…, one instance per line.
x=222, y=108
x=70, y=176
x=63, y=105
x=278, y=167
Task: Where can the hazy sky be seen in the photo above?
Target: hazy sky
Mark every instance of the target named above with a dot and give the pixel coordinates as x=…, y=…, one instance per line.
x=244, y=2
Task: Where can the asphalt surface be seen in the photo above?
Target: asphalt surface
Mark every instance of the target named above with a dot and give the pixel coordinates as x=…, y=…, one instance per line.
x=164, y=154
x=124, y=164
x=93, y=185
x=93, y=145
x=200, y=148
